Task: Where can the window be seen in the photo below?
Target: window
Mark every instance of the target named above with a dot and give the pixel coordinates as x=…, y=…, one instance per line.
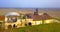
x=12, y=19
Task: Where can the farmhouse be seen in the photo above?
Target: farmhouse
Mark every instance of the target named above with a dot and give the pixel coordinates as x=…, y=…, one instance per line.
x=16, y=20
x=36, y=19
x=2, y=19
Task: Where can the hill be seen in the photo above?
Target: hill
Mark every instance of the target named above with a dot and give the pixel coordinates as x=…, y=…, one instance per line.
x=52, y=27
x=53, y=12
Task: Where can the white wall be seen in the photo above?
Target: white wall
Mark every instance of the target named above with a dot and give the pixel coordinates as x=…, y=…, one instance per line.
x=36, y=22
x=48, y=21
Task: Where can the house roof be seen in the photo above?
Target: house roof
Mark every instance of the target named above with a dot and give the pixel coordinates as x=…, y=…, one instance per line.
x=39, y=17
x=12, y=14
x=2, y=17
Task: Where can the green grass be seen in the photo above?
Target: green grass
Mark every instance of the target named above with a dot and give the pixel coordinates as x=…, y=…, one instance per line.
x=55, y=27
x=52, y=27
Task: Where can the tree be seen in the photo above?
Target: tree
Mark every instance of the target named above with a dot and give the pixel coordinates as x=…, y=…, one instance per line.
x=23, y=17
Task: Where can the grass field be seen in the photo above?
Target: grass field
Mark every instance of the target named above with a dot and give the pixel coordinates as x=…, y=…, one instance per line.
x=53, y=27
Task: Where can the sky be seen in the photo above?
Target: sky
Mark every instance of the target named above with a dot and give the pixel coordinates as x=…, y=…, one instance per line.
x=30, y=3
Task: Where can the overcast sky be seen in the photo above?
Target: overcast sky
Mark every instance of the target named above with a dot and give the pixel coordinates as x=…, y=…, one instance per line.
x=30, y=3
